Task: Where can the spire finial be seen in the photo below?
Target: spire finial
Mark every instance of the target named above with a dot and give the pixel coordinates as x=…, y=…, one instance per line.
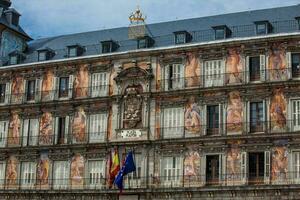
x=137, y=17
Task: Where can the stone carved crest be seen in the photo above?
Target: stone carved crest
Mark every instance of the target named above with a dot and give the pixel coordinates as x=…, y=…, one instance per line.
x=132, y=107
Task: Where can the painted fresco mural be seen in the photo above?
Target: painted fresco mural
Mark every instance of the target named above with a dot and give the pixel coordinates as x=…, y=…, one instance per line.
x=77, y=170
x=48, y=86
x=278, y=106
x=234, y=113
x=46, y=129
x=279, y=167
x=192, y=117
x=17, y=89
x=233, y=163
x=79, y=125
x=81, y=82
x=192, y=70
x=234, y=67
x=12, y=171
x=14, y=129
x=43, y=170
x=277, y=65
x=192, y=167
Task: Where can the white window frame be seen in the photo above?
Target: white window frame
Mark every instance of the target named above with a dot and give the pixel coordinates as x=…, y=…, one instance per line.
x=214, y=71
x=3, y=132
x=28, y=175
x=2, y=173
x=176, y=78
x=295, y=114
x=30, y=132
x=173, y=120
x=96, y=174
x=61, y=174
x=172, y=175
x=133, y=180
x=295, y=167
x=99, y=84
x=97, y=127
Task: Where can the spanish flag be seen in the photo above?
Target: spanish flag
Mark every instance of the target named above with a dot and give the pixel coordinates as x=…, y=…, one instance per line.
x=114, y=166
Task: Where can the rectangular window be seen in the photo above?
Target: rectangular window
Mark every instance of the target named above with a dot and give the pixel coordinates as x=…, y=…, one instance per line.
x=61, y=174
x=3, y=132
x=30, y=90
x=30, y=132
x=254, y=68
x=13, y=60
x=180, y=38
x=97, y=127
x=220, y=33
x=296, y=65
x=96, y=173
x=213, y=117
x=73, y=51
x=2, y=93
x=296, y=114
x=171, y=171
x=261, y=28
x=133, y=180
x=256, y=167
x=296, y=166
x=173, y=122
x=142, y=43
x=212, y=169
x=2, y=174
x=61, y=134
x=28, y=175
x=214, y=73
x=106, y=47
x=99, y=84
x=256, y=117
x=63, y=87
x=43, y=56
x=176, y=76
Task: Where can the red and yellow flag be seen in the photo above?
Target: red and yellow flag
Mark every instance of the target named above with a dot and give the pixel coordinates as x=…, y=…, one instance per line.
x=114, y=166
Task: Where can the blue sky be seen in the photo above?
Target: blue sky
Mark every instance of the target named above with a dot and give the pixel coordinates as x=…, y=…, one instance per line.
x=44, y=18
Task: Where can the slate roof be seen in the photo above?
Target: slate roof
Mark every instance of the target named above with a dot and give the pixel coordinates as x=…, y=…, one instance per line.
x=241, y=25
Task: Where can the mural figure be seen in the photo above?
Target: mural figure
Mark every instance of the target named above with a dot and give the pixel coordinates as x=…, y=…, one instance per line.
x=17, y=89
x=77, y=170
x=279, y=164
x=12, y=171
x=46, y=130
x=47, y=86
x=192, y=70
x=235, y=113
x=234, y=67
x=81, y=82
x=43, y=170
x=233, y=164
x=79, y=125
x=14, y=130
x=192, y=119
x=278, y=110
x=132, y=107
x=277, y=63
x=192, y=165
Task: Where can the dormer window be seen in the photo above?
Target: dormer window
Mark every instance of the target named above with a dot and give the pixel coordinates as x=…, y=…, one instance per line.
x=109, y=46
x=298, y=19
x=222, y=32
x=45, y=54
x=145, y=42
x=74, y=51
x=263, y=27
x=12, y=16
x=15, y=58
x=182, y=37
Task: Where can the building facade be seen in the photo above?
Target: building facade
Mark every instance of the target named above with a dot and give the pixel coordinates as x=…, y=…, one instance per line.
x=211, y=114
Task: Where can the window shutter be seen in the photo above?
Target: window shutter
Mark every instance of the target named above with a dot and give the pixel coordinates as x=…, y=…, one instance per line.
x=203, y=169
x=7, y=92
x=247, y=117
x=262, y=67
x=244, y=168
x=56, y=130
x=267, y=167
x=56, y=88
x=25, y=132
x=204, y=119
x=247, y=71
x=105, y=84
x=166, y=78
x=38, y=89
x=181, y=76
x=103, y=126
x=95, y=84
x=289, y=64
x=2, y=173
x=71, y=80
x=222, y=72
x=291, y=173
x=222, y=115
x=34, y=129
x=266, y=117
x=222, y=169
x=289, y=115
x=3, y=132
x=25, y=87
x=67, y=124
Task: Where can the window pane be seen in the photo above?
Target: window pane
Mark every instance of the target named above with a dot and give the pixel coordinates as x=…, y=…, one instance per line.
x=30, y=90
x=13, y=60
x=254, y=68
x=2, y=93
x=296, y=65
x=63, y=86
x=72, y=51
x=220, y=33
x=106, y=47
x=261, y=29
x=42, y=56
x=180, y=38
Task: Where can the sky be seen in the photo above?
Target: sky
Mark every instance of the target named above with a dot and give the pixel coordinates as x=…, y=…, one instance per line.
x=46, y=18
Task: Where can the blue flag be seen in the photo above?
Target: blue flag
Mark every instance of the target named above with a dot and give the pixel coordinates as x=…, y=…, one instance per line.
x=127, y=168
